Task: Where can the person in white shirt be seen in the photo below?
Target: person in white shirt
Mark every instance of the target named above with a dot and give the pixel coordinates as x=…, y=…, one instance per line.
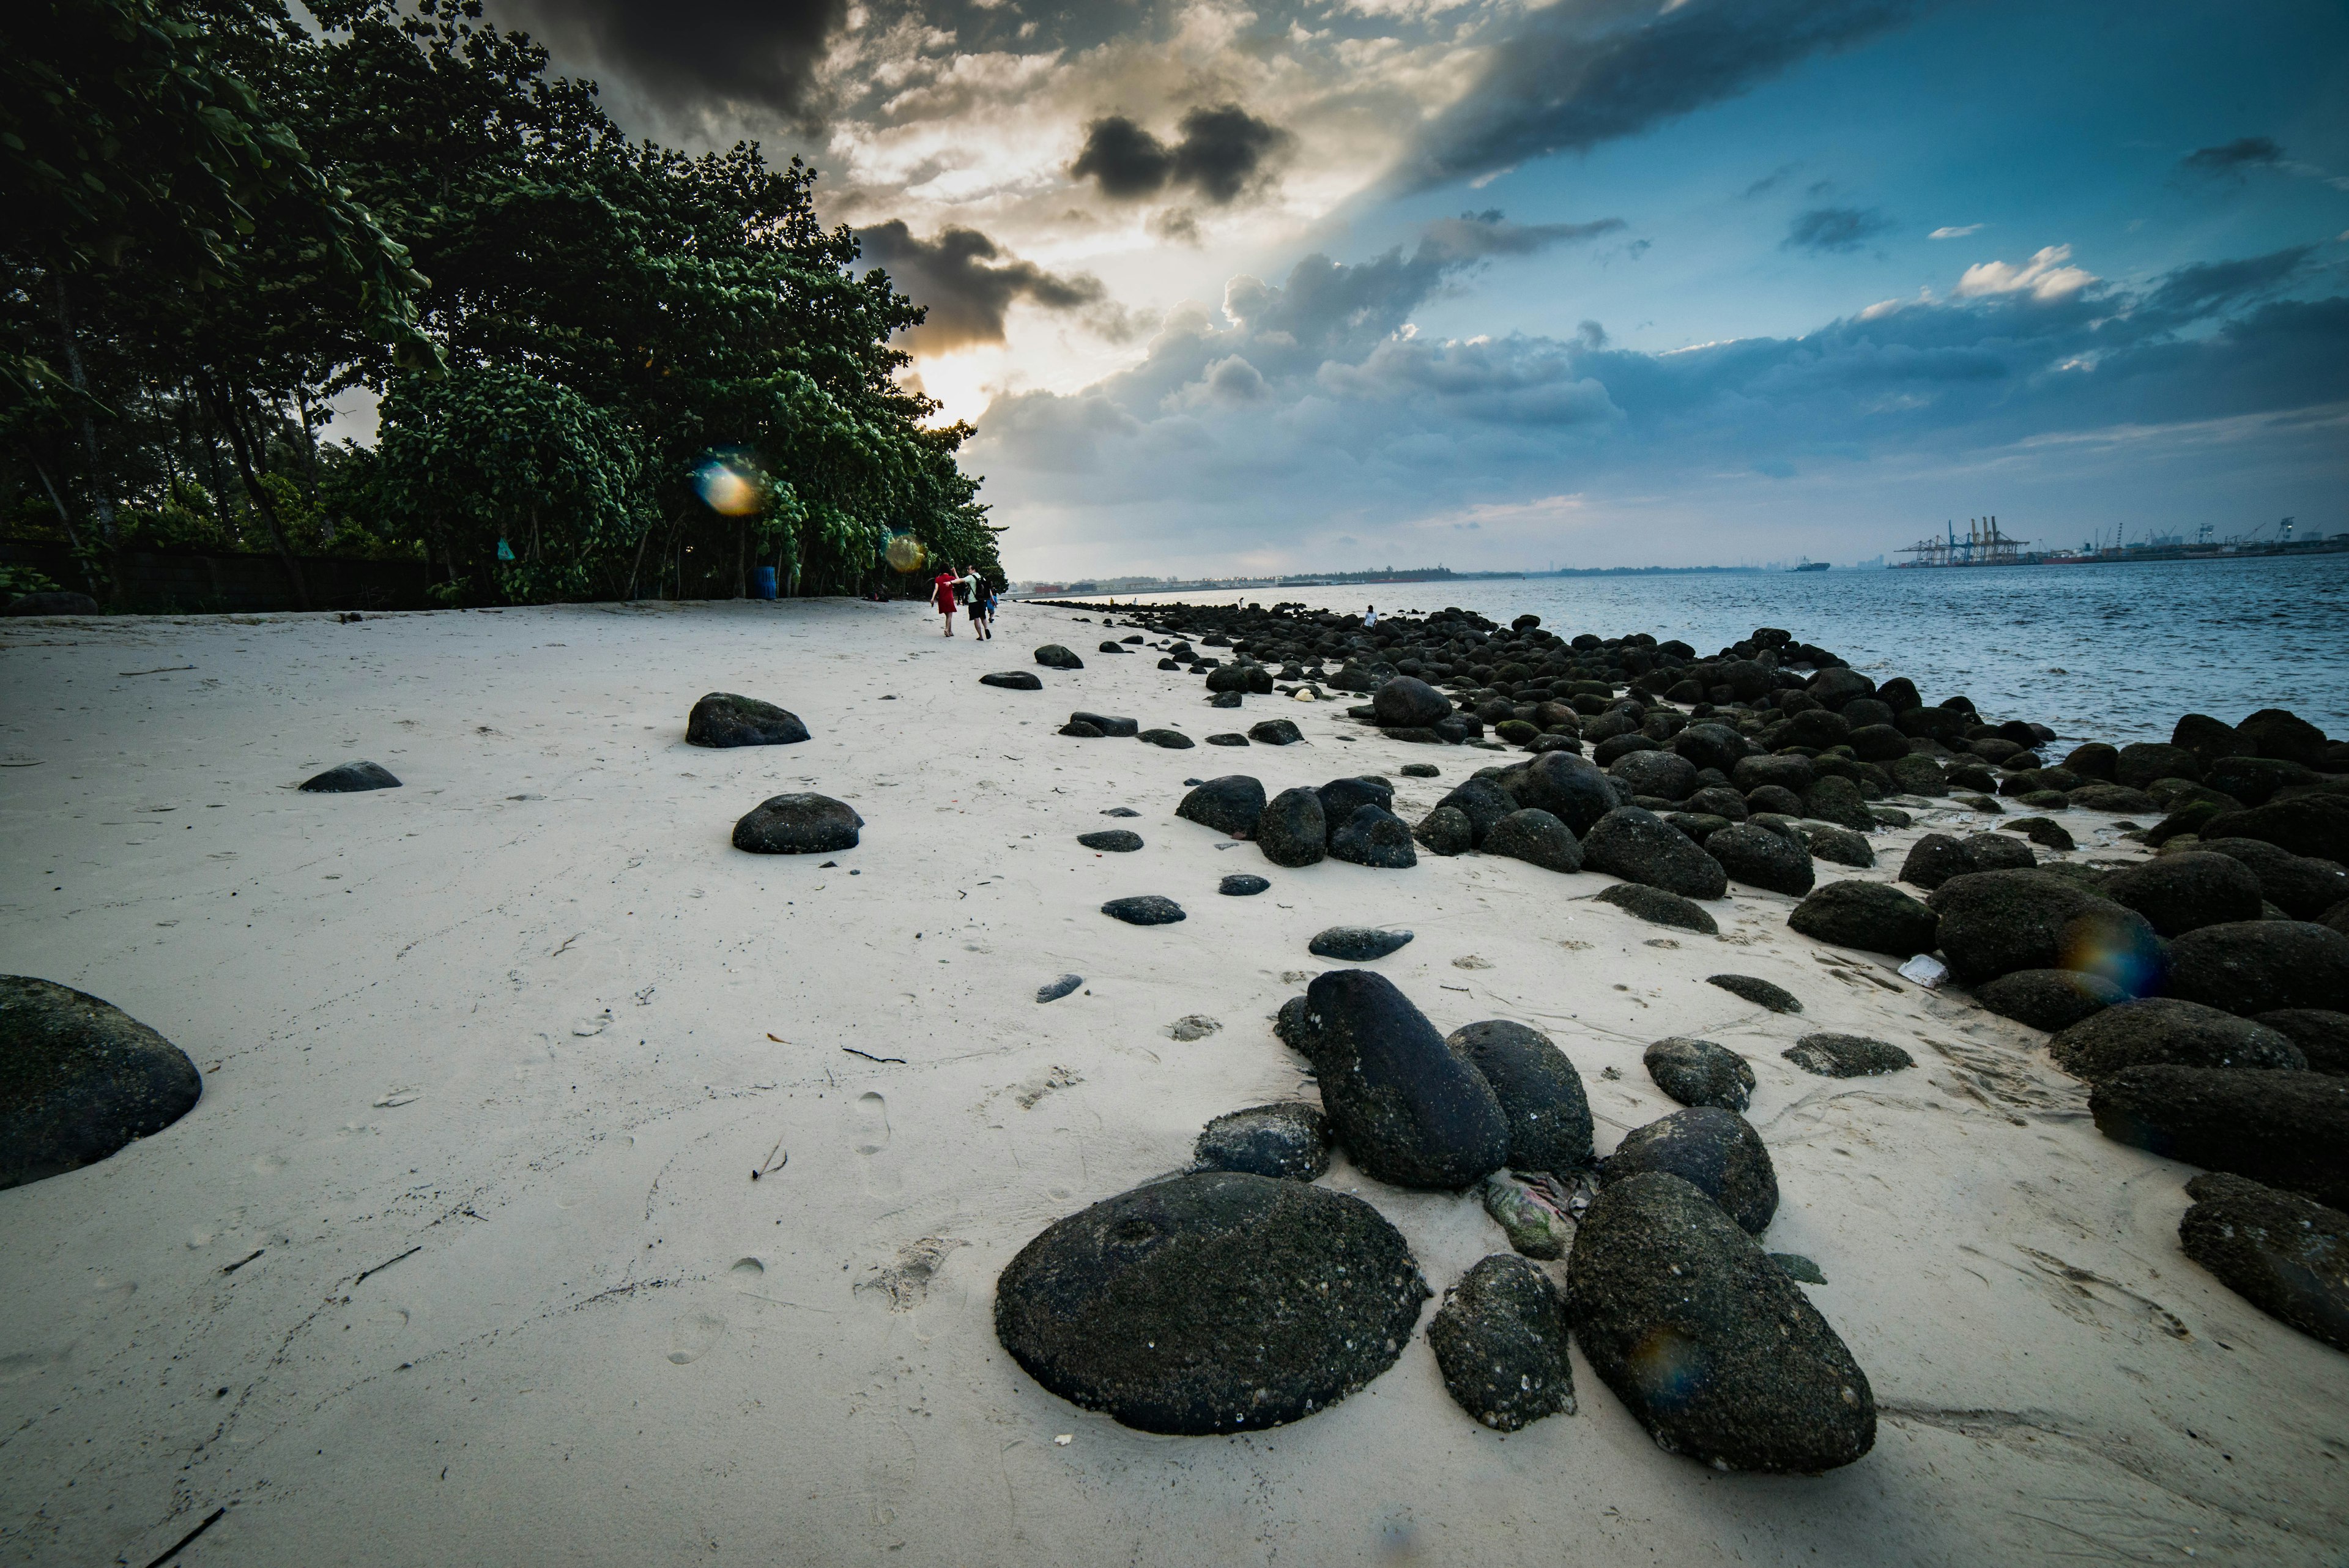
x=1371, y=617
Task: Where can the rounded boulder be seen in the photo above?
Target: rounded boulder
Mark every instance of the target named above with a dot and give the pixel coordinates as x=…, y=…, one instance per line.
x=79, y=1078
x=799, y=823
x=1215, y=1302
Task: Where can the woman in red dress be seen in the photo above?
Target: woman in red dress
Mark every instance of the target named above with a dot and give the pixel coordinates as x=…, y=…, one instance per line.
x=942, y=594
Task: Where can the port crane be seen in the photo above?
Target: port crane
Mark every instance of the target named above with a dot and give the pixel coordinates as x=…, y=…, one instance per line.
x=1983, y=545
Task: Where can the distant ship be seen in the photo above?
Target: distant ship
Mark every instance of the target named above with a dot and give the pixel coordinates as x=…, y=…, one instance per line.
x=1810, y=566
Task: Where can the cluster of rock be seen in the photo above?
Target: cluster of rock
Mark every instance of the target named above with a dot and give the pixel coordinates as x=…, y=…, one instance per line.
x=1234, y=1296
x=2202, y=994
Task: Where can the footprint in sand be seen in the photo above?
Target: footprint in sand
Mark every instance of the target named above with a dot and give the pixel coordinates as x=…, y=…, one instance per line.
x=872, y=1115
x=695, y=1335
x=869, y=1135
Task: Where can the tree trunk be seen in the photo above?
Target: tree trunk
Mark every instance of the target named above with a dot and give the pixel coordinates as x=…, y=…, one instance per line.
x=101, y=499
x=243, y=444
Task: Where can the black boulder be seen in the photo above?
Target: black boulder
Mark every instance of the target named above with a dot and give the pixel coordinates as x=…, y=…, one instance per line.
x=79, y=1078
x=724, y=719
x=1409, y=1109
x=1215, y=1302
x=798, y=823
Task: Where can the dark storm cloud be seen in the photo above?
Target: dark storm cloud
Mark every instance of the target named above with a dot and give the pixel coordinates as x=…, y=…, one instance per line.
x=2198, y=289
x=1488, y=234
x=1580, y=75
x=697, y=57
x=1825, y=229
x=2232, y=159
x=967, y=283
x=1221, y=153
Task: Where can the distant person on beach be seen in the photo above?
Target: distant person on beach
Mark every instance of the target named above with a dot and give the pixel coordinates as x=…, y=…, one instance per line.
x=1370, y=615
x=982, y=610
x=942, y=594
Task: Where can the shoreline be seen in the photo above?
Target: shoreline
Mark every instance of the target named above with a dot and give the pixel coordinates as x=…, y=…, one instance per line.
x=532, y=1014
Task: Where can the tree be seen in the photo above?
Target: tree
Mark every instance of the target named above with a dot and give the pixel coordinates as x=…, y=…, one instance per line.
x=141, y=170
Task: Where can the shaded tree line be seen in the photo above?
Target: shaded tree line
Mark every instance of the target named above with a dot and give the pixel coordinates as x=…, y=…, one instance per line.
x=605, y=368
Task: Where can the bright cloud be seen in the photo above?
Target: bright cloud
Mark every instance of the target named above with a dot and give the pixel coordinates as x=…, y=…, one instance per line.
x=2044, y=278
x=1955, y=233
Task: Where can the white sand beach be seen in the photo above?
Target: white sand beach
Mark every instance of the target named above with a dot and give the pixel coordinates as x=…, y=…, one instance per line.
x=459, y=1258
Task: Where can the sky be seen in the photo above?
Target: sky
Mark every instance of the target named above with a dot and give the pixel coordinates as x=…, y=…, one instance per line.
x=1323, y=285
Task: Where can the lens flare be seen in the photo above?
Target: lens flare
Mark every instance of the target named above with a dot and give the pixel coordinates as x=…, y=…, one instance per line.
x=727, y=487
x=906, y=554
x=2124, y=952
x=1667, y=1365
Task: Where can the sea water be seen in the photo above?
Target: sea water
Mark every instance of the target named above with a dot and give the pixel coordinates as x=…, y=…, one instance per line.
x=2098, y=652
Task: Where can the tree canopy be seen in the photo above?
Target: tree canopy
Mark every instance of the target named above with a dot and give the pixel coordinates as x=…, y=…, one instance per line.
x=605, y=368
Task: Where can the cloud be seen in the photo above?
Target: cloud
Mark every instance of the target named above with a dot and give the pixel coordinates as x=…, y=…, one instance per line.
x=1488, y=234
x=1309, y=406
x=2196, y=290
x=698, y=58
x=1768, y=182
x=2232, y=159
x=2044, y=276
x=1825, y=229
x=1222, y=153
x=967, y=283
x=1955, y=233
x=1579, y=75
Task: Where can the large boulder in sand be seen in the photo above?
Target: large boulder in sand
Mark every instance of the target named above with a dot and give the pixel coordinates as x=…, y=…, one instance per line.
x=1568, y=787
x=1994, y=922
x=1287, y=1140
x=2288, y=1129
x=1482, y=802
x=1874, y=916
x=2287, y=1256
x=1053, y=656
x=2257, y=966
x=1539, y=1091
x=1662, y=776
x=79, y=1078
x=1341, y=798
x=1231, y=804
x=1537, y=838
x=2162, y=1029
x=723, y=719
x=1846, y=1055
x=1659, y=908
x=1936, y=857
x=1717, y=1353
x=1640, y=847
x=1760, y=858
x=798, y=823
x=2048, y=998
x=2321, y=1035
x=2300, y=885
x=1406, y=702
x=1215, y=1302
x=1374, y=836
x=1699, y=1072
x=1409, y=1108
x=351, y=778
x=1500, y=1339
x=1714, y=1150
x=2315, y=825
x=2180, y=893
x=1291, y=830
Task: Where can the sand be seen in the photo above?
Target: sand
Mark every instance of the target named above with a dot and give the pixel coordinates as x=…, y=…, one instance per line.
x=459, y=1258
